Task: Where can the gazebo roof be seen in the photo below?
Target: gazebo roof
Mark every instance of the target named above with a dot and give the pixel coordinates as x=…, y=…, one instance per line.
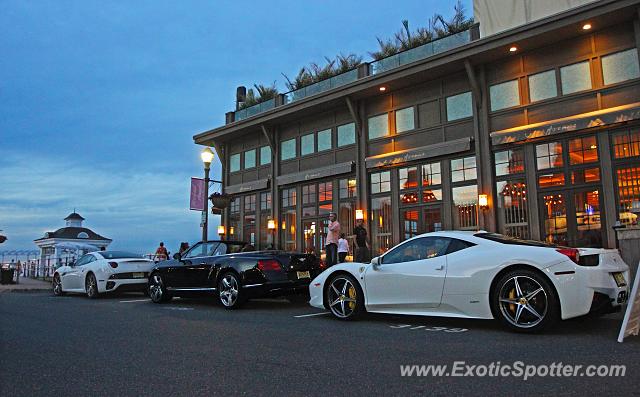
x=73, y=233
x=74, y=216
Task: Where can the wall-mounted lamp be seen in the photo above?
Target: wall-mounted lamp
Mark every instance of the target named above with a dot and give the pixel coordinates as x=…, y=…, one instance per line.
x=359, y=215
x=221, y=230
x=271, y=224
x=586, y=26
x=483, y=201
x=513, y=49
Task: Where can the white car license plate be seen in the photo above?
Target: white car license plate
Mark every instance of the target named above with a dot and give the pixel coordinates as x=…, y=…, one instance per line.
x=619, y=277
x=138, y=275
x=304, y=275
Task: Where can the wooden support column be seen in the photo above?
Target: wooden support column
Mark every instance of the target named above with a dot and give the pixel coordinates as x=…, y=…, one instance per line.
x=361, y=154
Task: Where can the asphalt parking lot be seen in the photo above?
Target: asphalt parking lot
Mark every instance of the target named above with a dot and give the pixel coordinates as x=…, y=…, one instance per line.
x=129, y=346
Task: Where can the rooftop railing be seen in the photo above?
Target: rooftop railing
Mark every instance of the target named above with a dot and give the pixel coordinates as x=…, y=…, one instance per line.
x=321, y=86
x=255, y=109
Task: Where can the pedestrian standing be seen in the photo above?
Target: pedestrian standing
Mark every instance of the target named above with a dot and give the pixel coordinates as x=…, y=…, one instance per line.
x=161, y=253
x=362, y=245
x=331, y=245
x=184, y=247
x=343, y=248
x=18, y=270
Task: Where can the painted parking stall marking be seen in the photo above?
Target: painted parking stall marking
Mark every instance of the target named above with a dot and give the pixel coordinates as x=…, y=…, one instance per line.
x=136, y=300
x=311, y=315
x=426, y=328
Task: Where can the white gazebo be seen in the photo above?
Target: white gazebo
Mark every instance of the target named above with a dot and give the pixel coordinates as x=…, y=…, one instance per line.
x=68, y=243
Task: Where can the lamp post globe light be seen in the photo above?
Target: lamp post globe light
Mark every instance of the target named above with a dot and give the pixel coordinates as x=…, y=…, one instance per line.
x=207, y=158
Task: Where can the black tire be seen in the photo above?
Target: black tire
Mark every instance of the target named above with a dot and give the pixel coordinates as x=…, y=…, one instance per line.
x=156, y=289
x=230, y=291
x=91, y=286
x=57, y=285
x=525, y=301
x=344, y=297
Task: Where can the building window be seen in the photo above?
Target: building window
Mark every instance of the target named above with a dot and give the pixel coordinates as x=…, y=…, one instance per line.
x=347, y=188
x=583, y=150
x=620, y=66
x=288, y=149
x=626, y=144
x=628, y=180
x=234, y=206
x=250, y=203
x=587, y=175
x=504, y=95
x=288, y=227
x=465, y=200
x=509, y=162
x=463, y=169
x=289, y=197
x=380, y=182
x=378, y=126
x=265, y=155
x=576, y=77
x=512, y=208
x=234, y=219
x=234, y=162
x=405, y=120
x=549, y=155
x=325, y=191
x=543, y=86
x=324, y=140
x=381, y=225
x=408, y=178
x=250, y=159
x=459, y=106
x=265, y=201
x=309, y=194
x=346, y=134
x=307, y=144
x=551, y=180
x=431, y=174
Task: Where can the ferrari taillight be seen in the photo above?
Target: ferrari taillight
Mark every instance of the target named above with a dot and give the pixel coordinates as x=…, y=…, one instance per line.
x=113, y=264
x=269, y=264
x=572, y=253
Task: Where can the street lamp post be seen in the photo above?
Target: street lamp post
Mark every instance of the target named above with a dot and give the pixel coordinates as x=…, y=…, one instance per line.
x=207, y=158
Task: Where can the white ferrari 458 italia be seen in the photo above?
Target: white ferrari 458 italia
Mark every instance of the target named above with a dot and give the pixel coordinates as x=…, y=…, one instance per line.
x=103, y=271
x=526, y=285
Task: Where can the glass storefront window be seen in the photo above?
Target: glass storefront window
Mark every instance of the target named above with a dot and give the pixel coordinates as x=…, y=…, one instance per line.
x=250, y=203
x=265, y=201
x=288, y=229
x=325, y=191
x=550, y=180
x=431, y=219
x=250, y=159
x=626, y=144
x=346, y=134
x=463, y=169
x=234, y=162
x=381, y=218
x=378, y=126
x=583, y=150
x=266, y=235
x=465, y=207
x=408, y=178
x=324, y=140
x=380, y=182
x=249, y=224
x=512, y=208
x=325, y=209
x=309, y=194
x=309, y=211
x=288, y=197
x=504, y=95
x=459, y=106
x=309, y=233
x=549, y=155
x=431, y=174
x=404, y=120
x=585, y=176
x=576, y=77
x=288, y=149
x=509, y=162
x=588, y=219
x=409, y=222
x=543, y=86
x=431, y=196
x=307, y=144
x=620, y=66
x=555, y=219
x=234, y=205
x=348, y=188
x=628, y=184
x=265, y=155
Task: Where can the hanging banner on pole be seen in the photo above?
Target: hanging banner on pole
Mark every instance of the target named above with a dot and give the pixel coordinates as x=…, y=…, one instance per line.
x=196, y=202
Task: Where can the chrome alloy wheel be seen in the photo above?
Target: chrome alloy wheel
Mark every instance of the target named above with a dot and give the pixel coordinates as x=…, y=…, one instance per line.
x=91, y=286
x=228, y=290
x=342, y=297
x=57, y=285
x=155, y=288
x=523, y=302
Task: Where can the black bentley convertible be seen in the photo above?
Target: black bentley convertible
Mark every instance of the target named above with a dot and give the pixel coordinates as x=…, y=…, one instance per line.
x=225, y=270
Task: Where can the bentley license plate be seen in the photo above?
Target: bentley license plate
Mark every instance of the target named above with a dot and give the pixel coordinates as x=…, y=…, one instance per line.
x=138, y=275
x=303, y=275
x=619, y=277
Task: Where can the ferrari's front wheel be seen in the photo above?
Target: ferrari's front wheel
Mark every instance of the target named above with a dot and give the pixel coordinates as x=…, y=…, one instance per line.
x=344, y=297
x=525, y=301
x=156, y=289
x=91, y=286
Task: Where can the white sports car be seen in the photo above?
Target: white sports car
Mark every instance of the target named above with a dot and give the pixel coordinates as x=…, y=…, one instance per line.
x=527, y=285
x=103, y=271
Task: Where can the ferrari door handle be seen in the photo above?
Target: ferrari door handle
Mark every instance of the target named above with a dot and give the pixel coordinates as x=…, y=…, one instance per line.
x=440, y=267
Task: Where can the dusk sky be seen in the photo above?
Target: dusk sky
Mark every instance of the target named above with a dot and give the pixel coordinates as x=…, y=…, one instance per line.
x=99, y=100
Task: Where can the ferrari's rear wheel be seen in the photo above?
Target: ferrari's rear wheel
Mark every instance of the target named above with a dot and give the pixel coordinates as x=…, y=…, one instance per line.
x=57, y=285
x=344, y=297
x=229, y=291
x=157, y=291
x=525, y=301
x=91, y=286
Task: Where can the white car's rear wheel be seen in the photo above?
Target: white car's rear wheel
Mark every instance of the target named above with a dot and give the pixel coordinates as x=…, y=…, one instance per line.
x=525, y=301
x=91, y=286
x=344, y=297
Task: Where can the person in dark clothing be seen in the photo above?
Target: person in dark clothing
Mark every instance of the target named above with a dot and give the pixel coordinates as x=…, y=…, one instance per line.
x=362, y=246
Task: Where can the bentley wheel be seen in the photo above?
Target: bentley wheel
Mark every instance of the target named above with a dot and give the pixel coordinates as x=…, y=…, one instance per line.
x=229, y=291
x=344, y=297
x=525, y=301
x=91, y=286
x=57, y=285
x=157, y=291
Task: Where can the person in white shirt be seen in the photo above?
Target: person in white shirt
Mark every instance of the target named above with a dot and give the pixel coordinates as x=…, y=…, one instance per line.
x=343, y=248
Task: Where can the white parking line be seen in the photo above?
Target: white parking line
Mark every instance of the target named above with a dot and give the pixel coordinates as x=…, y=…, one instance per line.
x=136, y=300
x=312, y=314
